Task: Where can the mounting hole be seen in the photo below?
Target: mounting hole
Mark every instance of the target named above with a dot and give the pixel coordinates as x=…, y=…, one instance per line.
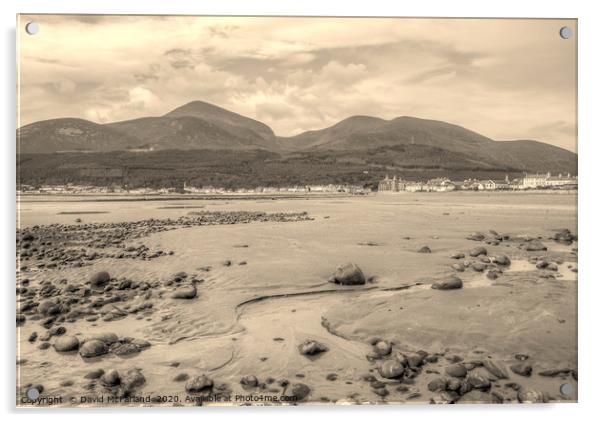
x=566, y=32
x=33, y=393
x=32, y=28
x=566, y=389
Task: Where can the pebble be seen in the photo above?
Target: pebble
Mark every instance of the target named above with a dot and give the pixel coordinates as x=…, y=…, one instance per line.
x=424, y=249
x=95, y=374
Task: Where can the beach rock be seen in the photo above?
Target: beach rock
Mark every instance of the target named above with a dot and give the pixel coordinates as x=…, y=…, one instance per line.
x=448, y=283
x=382, y=348
x=531, y=396
x=501, y=260
x=479, y=266
x=424, y=249
x=66, y=344
x=457, y=370
x=185, y=292
x=522, y=368
x=458, y=267
x=479, y=250
x=391, y=369
x=535, y=245
x=565, y=236
x=111, y=378
x=123, y=349
x=249, y=381
x=181, y=377
x=99, y=279
x=300, y=391
x=107, y=338
x=494, y=273
x=554, y=372
x=495, y=369
x=349, y=275
x=445, y=397
x=478, y=381
x=312, y=348
x=438, y=384
x=93, y=348
x=131, y=380
x=95, y=374
x=477, y=396
x=199, y=384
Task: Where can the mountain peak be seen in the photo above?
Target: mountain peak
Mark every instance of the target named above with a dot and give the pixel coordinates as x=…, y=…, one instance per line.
x=213, y=113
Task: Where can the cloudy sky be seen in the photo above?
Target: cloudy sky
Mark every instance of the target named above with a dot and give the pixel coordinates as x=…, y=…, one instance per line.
x=506, y=79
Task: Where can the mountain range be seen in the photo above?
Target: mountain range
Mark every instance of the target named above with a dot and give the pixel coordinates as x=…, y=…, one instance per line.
x=400, y=143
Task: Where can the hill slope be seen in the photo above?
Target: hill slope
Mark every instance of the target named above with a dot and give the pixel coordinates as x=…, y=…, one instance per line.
x=202, y=126
x=69, y=134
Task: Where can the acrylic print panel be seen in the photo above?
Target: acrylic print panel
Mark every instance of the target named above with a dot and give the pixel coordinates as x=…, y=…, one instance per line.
x=250, y=210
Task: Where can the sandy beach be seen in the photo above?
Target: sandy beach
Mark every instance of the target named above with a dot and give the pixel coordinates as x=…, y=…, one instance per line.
x=239, y=285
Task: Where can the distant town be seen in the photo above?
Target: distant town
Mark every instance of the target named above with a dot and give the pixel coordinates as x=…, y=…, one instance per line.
x=443, y=184
x=394, y=184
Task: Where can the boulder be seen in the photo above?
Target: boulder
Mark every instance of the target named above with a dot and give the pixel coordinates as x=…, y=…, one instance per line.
x=300, y=391
x=107, y=338
x=66, y=344
x=531, y=396
x=312, y=348
x=448, y=283
x=99, y=279
x=185, y=292
x=424, y=249
x=249, y=381
x=479, y=250
x=476, y=236
x=349, y=275
x=131, y=380
x=93, y=348
x=535, y=245
x=479, y=266
x=457, y=370
x=111, y=378
x=458, y=255
x=382, y=348
x=501, y=260
x=199, y=384
x=391, y=369
x=522, y=368
x=495, y=369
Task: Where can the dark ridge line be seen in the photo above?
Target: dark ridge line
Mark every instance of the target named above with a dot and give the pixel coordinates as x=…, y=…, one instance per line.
x=310, y=293
x=319, y=292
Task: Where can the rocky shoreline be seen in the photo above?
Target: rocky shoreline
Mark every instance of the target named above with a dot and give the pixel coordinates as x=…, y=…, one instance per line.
x=391, y=371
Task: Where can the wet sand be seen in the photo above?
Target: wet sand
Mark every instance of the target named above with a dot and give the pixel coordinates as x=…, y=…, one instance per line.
x=249, y=319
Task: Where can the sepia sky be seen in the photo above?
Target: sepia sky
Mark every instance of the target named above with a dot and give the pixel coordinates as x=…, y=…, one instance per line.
x=506, y=79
